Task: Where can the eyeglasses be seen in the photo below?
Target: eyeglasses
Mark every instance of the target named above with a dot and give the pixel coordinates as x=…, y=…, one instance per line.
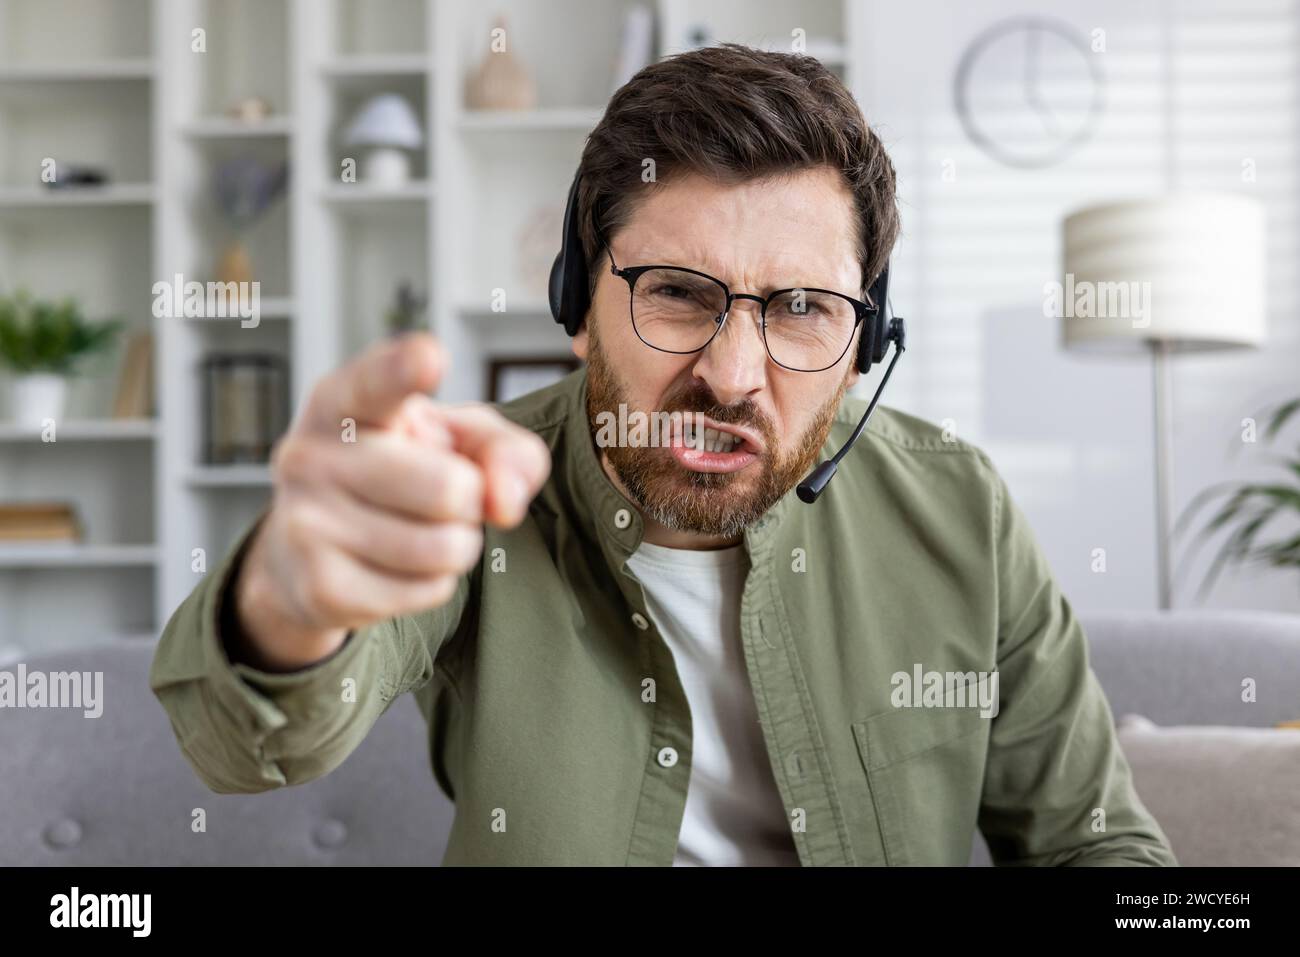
x=681, y=310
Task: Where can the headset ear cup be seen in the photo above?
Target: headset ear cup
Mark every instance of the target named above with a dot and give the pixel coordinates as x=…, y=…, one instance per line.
x=880, y=340
x=576, y=295
x=555, y=288
x=874, y=340
x=866, y=347
x=567, y=288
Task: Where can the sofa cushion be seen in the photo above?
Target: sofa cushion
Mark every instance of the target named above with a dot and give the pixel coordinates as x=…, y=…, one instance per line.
x=116, y=790
x=1224, y=796
x=1187, y=667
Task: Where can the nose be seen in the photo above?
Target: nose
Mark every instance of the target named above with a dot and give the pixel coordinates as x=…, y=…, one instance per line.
x=734, y=364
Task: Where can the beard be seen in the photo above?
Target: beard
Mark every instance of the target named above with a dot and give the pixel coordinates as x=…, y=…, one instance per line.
x=708, y=503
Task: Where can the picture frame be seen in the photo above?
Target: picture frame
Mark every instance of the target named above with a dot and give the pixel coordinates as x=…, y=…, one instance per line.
x=510, y=377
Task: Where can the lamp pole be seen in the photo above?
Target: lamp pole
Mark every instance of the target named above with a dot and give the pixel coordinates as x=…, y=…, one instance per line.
x=1163, y=406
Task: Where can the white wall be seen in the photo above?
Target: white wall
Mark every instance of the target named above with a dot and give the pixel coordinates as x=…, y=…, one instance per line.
x=1073, y=435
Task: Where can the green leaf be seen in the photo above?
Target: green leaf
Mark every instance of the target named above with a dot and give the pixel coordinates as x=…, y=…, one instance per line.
x=1234, y=549
x=1246, y=507
x=1199, y=501
x=42, y=336
x=1280, y=416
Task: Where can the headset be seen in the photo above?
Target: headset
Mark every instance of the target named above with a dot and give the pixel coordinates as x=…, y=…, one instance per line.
x=570, y=300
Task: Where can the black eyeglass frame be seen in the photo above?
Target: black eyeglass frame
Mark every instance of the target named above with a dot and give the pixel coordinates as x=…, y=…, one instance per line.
x=631, y=274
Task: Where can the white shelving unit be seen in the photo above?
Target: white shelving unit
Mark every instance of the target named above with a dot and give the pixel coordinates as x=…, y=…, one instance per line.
x=58, y=555
x=119, y=84
x=224, y=127
x=125, y=68
x=86, y=430
x=76, y=85
x=229, y=476
x=38, y=198
x=248, y=52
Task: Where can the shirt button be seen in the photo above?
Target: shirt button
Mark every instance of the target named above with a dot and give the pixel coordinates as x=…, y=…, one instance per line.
x=638, y=619
x=622, y=518
x=667, y=757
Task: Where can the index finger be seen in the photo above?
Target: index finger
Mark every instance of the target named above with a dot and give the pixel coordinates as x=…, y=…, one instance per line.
x=371, y=388
x=514, y=460
x=481, y=433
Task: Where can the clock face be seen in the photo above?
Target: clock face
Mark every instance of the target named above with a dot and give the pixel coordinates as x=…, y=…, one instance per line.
x=1028, y=91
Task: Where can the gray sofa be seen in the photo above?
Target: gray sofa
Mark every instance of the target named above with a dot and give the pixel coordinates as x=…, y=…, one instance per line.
x=116, y=790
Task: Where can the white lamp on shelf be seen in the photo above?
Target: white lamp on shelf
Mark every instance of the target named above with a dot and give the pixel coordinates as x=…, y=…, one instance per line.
x=388, y=126
x=1183, y=273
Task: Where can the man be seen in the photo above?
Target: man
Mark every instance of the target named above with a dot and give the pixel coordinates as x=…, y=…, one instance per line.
x=634, y=653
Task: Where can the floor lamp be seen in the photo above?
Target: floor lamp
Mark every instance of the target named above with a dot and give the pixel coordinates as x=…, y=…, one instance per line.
x=1183, y=273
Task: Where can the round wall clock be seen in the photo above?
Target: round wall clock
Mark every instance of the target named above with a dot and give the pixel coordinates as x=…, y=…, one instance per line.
x=1028, y=90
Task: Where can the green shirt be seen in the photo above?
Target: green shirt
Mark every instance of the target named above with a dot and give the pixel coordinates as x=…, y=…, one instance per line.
x=551, y=699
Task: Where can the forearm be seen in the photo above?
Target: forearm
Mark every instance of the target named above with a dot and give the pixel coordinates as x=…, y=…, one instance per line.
x=245, y=730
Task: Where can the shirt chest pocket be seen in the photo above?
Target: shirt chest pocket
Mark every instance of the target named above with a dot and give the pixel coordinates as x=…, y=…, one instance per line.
x=925, y=771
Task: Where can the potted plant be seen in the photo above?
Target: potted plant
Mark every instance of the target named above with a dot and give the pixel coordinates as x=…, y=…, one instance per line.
x=1250, y=509
x=405, y=312
x=41, y=343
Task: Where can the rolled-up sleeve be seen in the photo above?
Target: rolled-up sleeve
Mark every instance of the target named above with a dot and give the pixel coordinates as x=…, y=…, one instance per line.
x=244, y=730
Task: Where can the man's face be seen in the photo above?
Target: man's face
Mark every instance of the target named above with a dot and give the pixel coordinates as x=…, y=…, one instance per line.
x=789, y=232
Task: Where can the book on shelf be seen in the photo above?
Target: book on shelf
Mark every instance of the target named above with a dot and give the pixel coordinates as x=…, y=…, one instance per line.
x=39, y=522
x=134, y=398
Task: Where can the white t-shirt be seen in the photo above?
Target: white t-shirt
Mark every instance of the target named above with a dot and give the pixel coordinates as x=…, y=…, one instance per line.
x=734, y=815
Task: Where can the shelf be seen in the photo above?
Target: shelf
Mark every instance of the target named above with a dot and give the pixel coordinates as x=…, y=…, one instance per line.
x=523, y=309
x=91, y=71
x=273, y=308
x=19, y=555
x=362, y=195
x=561, y=119
x=376, y=64
x=229, y=476
x=224, y=127
x=39, y=197
x=277, y=307
x=85, y=430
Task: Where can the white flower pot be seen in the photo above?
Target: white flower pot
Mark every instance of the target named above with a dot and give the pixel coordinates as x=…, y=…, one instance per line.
x=37, y=397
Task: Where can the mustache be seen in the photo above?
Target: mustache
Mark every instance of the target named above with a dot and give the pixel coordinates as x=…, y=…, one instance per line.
x=744, y=413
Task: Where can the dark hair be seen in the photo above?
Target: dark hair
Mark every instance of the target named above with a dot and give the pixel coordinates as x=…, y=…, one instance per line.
x=734, y=113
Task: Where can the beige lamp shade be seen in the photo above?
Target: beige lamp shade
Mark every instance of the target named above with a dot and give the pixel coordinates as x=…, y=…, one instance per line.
x=1187, y=270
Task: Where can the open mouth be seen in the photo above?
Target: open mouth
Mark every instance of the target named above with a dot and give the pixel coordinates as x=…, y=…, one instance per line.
x=703, y=433
x=710, y=440
x=708, y=446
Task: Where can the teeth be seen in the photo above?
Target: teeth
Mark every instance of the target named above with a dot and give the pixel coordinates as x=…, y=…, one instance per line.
x=714, y=440
x=717, y=441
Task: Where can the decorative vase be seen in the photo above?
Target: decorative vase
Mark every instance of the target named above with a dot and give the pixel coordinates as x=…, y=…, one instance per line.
x=36, y=397
x=501, y=82
x=235, y=264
